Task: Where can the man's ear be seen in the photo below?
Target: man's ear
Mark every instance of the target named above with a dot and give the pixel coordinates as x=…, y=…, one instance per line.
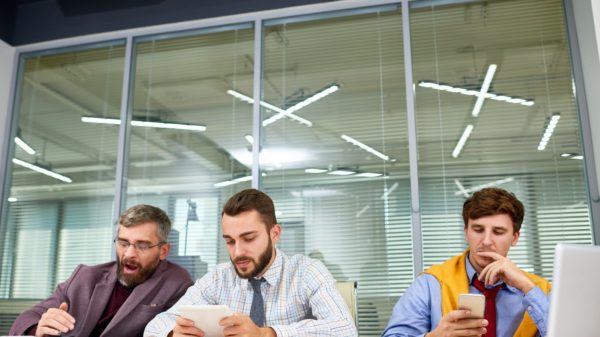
x=515, y=238
x=275, y=233
x=164, y=250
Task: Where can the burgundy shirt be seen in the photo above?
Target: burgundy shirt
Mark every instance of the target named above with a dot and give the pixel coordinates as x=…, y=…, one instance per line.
x=118, y=296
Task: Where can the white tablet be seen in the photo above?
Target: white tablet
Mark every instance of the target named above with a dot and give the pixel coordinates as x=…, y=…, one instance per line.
x=206, y=317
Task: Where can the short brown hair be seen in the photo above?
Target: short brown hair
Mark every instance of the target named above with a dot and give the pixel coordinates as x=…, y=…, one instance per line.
x=139, y=214
x=492, y=201
x=249, y=200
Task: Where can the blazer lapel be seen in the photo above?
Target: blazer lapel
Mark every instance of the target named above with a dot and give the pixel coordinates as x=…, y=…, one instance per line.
x=100, y=297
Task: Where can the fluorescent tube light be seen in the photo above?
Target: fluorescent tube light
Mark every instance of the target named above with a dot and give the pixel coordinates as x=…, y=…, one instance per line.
x=148, y=124
x=484, y=89
x=341, y=172
x=42, y=170
x=580, y=157
x=388, y=191
x=313, y=170
x=461, y=189
x=280, y=112
x=368, y=175
x=233, y=181
x=363, y=210
x=97, y=120
x=225, y=183
x=177, y=126
x=463, y=139
x=23, y=145
x=250, y=139
x=365, y=147
x=317, y=96
x=548, y=130
x=468, y=92
x=12, y=199
x=478, y=187
x=289, y=112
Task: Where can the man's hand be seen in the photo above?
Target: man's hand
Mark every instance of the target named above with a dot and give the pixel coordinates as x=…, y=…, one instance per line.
x=185, y=327
x=242, y=326
x=504, y=269
x=55, y=321
x=459, y=323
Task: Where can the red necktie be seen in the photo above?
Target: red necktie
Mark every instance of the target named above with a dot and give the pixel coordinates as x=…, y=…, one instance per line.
x=490, y=305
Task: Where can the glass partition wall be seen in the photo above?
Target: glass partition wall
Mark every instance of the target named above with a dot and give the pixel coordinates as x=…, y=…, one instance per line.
x=495, y=106
x=335, y=150
x=334, y=141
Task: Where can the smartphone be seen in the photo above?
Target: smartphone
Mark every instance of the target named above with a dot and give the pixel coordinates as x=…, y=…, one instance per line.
x=473, y=302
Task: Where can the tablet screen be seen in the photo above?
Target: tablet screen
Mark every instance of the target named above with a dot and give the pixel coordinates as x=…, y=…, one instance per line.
x=206, y=317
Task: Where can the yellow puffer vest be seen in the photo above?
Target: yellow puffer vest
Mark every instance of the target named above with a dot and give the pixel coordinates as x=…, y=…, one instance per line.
x=452, y=276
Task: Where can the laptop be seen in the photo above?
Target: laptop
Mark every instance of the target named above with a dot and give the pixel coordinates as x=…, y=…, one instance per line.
x=575, y=296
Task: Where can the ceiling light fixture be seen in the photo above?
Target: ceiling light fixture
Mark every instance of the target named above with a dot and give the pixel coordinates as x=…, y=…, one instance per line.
x=463, y=139
x=461, y=189
x=148, y=124
x=317, y=96
x=250, y=139
x=42, y=170
x=368, y=175
x=465, y=192
x=23, y=145
x=289, y=112
x=363, y=210
x=235, y=180
x=269, y=106
x=313, y=170
x=549, y=127
x=12, y=199
x=388, y=191
x=365, y=147
x=469, y=92
x=484, y=89
x=341, y=172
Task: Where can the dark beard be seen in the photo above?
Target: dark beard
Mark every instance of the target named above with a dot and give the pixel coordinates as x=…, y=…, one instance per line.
x=260, y=266
x=142, y=274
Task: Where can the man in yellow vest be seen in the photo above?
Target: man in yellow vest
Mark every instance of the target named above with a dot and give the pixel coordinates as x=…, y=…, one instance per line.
x=429, y=307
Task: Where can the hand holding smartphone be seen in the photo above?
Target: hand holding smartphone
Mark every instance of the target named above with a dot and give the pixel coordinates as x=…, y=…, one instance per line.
x=473, y=302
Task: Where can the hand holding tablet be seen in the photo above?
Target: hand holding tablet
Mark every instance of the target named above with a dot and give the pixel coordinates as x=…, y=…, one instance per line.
x=206, y=317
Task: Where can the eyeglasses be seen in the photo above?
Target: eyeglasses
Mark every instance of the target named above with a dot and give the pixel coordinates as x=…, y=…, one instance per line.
x=140, y=246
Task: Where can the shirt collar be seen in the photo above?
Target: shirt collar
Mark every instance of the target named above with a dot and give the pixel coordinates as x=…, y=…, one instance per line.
x=273, y=274
x=471, y=273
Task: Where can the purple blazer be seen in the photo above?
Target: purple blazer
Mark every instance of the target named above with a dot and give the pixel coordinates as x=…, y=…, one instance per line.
x=88, y=290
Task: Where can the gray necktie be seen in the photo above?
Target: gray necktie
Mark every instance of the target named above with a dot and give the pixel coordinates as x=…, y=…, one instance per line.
x=257, y=311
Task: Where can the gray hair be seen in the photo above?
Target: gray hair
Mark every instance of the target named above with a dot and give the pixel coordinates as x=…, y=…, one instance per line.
x=140, y=214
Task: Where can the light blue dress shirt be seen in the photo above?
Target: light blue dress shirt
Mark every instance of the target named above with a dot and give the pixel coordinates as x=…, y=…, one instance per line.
x=419, y=310
x=300, y=299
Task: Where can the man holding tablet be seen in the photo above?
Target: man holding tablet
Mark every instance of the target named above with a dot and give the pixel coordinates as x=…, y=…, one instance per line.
x=271, y=294
x=114, y=299
x=516, y=302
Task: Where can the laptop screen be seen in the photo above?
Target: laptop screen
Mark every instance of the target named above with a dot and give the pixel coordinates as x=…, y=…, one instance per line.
x=575, y=296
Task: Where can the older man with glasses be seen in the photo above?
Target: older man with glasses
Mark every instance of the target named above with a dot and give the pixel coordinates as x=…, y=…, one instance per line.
x=118, y=298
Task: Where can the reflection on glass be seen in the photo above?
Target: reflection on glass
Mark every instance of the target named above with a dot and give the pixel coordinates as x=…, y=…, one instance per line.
x=62, y=182
x=335, y=151
x=199, y=155
x=495, y=107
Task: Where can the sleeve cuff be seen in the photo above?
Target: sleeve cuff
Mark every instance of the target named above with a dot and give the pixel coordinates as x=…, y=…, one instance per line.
x=284, y=330
x=537, y=308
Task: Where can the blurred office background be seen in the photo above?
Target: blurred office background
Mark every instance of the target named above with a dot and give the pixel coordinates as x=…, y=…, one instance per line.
x=310, y=103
